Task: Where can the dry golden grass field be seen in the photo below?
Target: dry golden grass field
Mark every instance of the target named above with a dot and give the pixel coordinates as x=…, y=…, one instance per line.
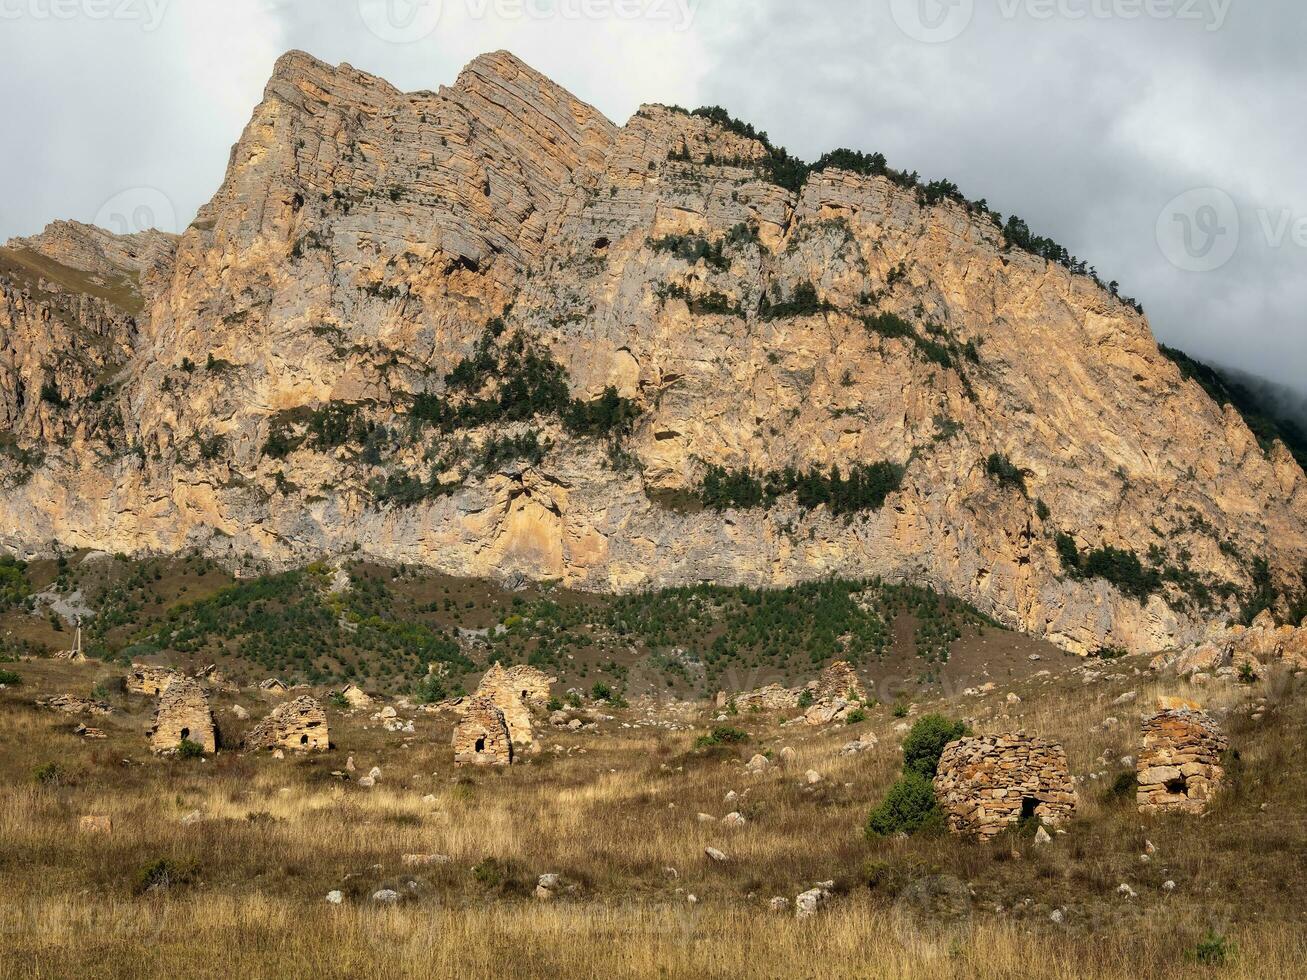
x=221, y=867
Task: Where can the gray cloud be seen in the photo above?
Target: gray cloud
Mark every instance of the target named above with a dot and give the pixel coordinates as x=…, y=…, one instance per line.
x=1085, y=126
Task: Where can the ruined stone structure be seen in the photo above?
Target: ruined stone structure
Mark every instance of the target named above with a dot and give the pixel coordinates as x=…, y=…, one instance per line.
x=482, y=737
x=72, y=705
x=355, y=696
x=1180, y=767
x=150, y=680
x=297, y=726
x=274, y=686
x=988, y=783
x=773, y=697
x=516, y=691
x=831, y=696
x=839, y=681
x=183, y=715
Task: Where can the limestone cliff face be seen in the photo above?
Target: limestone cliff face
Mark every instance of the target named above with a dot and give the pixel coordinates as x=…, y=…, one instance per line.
x=71, y=301
x=363, y=239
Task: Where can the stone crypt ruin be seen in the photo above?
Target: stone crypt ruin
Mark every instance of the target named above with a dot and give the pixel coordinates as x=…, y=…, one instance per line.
x=988, y=783
x=183, y=715
x=482, y=737
x=1181, y=765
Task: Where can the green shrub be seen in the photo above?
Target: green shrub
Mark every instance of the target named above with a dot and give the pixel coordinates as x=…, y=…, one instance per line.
x=160, y=876
x=489, y=873
x=601, y=692
x=190, y=750
x=1215, y=950
x=9, y=678
x=50, y=774
x=925, y=744
x=865, y=488
x=908, y=808
x=900, y=711
x=337, y=700
x=1006, y=472
x=430, y=690
x=722, y=735
x=692, y=248
x=1114, y=565
x=855, y=717
x=804, y=302
x=807, y=698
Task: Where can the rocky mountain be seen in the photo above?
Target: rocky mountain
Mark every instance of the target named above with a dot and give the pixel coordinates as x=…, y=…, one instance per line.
x=489, y=331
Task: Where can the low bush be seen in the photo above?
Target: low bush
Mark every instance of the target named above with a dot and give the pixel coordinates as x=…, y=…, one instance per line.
x=9, y=678
x=1006, y=472
x=926, y=741
x=160, y=876
x=722, y=735
x=50, y=774
x=908, y=808
x=190, y=750
x=1215, y=950
x=1124, y=787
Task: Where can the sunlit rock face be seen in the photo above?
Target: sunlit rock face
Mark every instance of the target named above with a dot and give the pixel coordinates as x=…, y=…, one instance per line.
x=160, y=394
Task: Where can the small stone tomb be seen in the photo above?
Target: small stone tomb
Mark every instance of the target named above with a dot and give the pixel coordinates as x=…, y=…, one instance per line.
x=1180, y=767
x=988, y=783
x=296, y=726
x=482, y=737
x=183, y=715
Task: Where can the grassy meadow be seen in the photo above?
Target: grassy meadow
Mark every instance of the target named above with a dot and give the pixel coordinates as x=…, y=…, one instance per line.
x=221, y=867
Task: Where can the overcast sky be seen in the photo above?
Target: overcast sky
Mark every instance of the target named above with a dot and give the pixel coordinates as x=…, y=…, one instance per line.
x=1161, y=140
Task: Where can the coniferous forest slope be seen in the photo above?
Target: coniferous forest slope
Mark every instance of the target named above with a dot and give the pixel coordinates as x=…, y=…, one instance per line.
x=487, y=331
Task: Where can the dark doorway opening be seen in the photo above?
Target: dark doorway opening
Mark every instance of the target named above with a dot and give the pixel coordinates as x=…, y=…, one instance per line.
x=1029, y=805
x=481, y=745
x=186, y=733
x=1178, y=786
x=304, y=740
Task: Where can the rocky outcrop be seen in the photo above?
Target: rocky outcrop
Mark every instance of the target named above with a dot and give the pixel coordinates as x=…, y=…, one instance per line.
x=1239, y=651
x=263, y=371
x=1181, y=765
x=296, y=726
x=992, y=782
